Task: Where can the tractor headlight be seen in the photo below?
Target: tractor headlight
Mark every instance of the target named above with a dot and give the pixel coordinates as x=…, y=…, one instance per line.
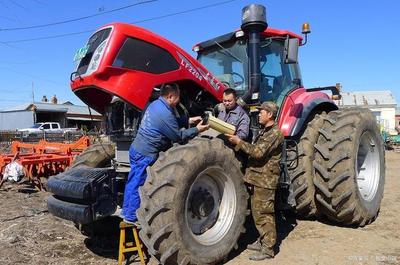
x=96, y=58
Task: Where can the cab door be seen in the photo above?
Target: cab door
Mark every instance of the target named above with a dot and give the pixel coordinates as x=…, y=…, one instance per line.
x=277, y=77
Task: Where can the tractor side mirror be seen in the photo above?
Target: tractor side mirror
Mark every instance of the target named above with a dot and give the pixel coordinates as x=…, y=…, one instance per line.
x=291, y=50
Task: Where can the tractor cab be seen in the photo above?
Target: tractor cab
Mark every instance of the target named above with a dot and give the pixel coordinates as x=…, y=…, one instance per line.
x=261, y=64
x=227, y=57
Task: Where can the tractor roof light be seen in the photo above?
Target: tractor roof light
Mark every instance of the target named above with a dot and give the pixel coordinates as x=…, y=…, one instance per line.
x=196, y=48
x=305, y=29
x=239, y=33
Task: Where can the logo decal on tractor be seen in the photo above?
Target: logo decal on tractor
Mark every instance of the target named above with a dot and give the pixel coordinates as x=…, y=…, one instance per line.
x=188, y=66
x=211, y=80
x=198, y=73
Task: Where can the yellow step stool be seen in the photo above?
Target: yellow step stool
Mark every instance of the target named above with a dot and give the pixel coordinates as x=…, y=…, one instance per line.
x=125, y=247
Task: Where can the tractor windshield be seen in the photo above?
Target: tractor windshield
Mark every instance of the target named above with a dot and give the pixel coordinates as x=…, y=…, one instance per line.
x=228, y=61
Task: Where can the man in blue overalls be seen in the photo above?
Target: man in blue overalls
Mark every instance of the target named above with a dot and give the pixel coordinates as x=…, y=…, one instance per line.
x=157, y=131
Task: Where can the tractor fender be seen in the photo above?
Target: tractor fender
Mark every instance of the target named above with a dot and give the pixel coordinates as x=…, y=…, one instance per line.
x=311, y=109
x=298, y=108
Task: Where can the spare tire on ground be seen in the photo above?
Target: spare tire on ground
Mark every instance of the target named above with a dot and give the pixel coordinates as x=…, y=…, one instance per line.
x=193, y=203
x=349, y=167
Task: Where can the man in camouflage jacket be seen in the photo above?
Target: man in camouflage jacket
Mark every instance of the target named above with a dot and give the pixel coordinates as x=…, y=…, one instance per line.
x=262, y=173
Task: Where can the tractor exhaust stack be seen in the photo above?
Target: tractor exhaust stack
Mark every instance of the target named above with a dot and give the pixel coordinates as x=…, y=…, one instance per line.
x=253, y=23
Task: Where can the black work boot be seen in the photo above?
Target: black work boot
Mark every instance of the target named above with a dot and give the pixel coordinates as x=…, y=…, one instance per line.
x=256, y=246
x=263, y=254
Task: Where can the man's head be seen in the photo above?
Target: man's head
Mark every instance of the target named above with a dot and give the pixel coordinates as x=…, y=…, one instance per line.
x=268, y=113
x=170, y=92
x=229, y=99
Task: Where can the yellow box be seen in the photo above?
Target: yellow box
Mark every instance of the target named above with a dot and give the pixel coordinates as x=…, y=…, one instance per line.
x=220, y=125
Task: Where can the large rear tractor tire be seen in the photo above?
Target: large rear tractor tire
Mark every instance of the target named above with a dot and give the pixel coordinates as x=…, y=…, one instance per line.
x=193, y=204
x=350, y=167
x=302, y=172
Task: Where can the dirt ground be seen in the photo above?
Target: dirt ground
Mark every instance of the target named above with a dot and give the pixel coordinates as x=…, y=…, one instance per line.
x=30, y=235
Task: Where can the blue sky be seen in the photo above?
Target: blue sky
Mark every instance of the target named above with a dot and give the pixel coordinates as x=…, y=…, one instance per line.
x=355, y=43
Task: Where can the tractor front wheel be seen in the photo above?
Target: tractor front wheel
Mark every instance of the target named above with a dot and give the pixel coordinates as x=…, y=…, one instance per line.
x=193, y=204
x=97, y=155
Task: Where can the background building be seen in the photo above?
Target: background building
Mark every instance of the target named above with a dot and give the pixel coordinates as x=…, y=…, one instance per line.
x=381, y=103
x=398, y=120
x=67, y=114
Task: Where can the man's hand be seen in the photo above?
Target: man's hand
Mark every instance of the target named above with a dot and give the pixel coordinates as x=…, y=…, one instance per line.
x=234, y=139
x=202, y=127
x=195, y=120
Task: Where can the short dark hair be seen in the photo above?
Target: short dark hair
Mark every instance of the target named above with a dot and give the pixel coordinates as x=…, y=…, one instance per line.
x=169, y=88
x=230, y=91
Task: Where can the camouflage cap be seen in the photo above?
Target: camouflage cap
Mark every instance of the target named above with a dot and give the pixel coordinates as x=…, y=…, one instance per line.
x=270, y=107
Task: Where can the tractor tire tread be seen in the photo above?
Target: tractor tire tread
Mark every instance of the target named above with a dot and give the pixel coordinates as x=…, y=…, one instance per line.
x=337, y=192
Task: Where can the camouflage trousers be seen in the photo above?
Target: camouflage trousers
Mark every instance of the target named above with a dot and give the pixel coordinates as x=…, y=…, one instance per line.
x=262, y=208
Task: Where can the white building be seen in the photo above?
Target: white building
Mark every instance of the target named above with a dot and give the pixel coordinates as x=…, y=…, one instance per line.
x=381, y=103
x=67, y=114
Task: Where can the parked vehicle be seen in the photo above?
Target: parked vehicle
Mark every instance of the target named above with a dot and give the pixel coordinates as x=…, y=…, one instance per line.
x=46, y=127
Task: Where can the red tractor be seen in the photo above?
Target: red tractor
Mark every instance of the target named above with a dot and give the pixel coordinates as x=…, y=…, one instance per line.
x=194, y=202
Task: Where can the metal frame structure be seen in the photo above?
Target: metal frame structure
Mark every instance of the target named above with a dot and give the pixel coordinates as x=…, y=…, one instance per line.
x=43, y=159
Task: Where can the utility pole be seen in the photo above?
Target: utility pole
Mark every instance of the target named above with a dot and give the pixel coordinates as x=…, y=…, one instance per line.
x=33, y=101
x=33, y=94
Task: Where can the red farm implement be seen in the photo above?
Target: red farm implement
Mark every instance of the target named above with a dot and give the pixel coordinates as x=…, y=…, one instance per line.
x=43, y=159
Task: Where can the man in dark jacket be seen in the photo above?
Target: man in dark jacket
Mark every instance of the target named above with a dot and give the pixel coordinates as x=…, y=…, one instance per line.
x=157, y=131
x=262, y=174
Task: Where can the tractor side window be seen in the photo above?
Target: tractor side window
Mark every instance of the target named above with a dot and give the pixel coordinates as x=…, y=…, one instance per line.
x=277, y=78
x=238, y=77
x=143, y=56
x=271, y=74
